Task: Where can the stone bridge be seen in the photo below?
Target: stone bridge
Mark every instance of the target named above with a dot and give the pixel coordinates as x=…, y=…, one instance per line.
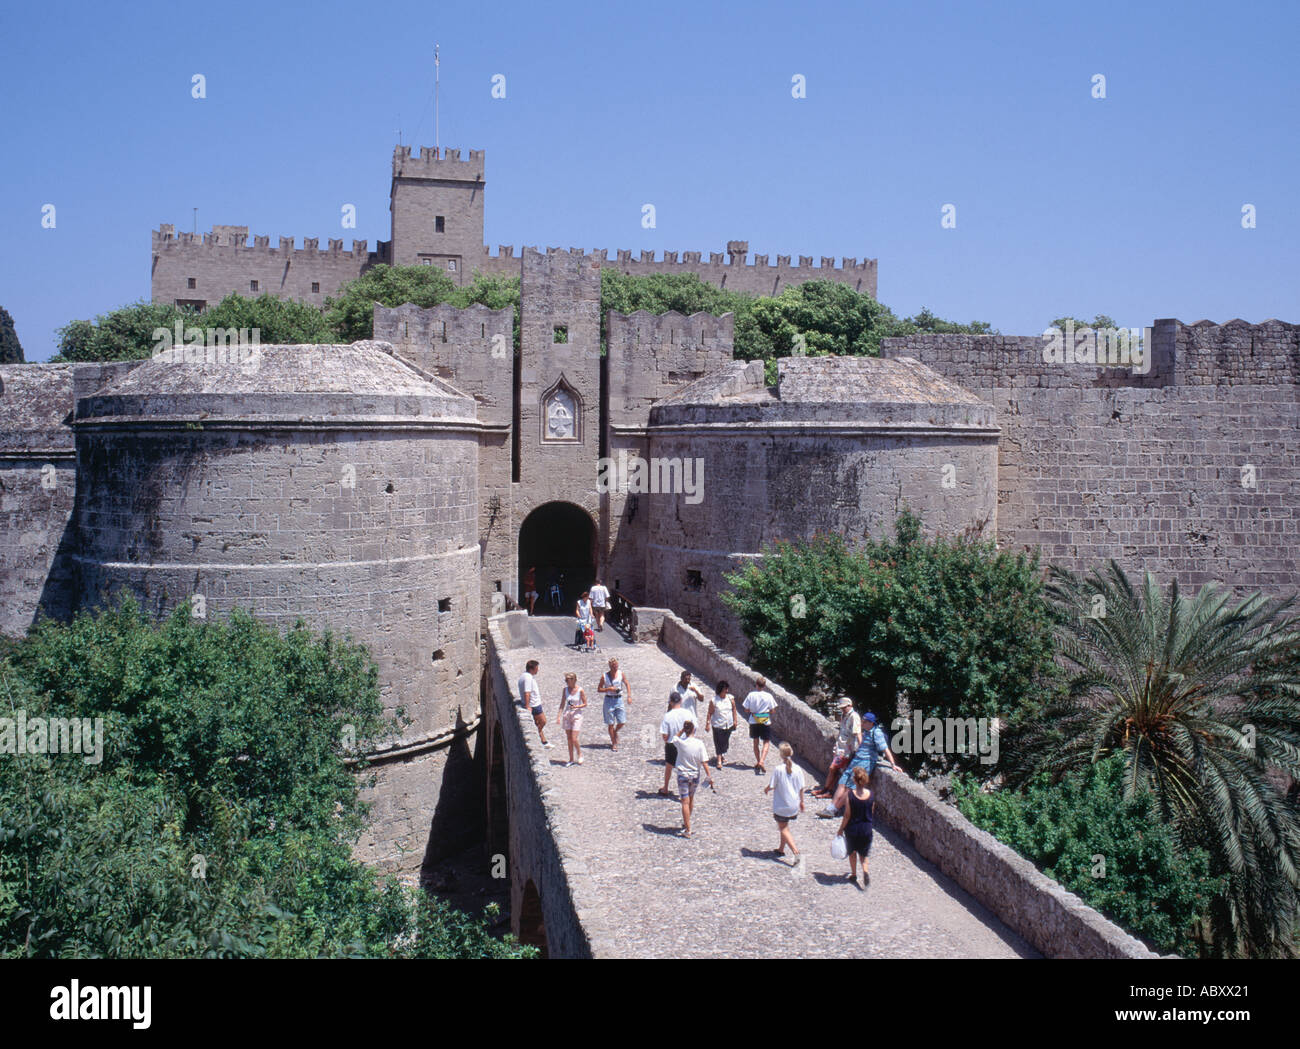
x=598, y=868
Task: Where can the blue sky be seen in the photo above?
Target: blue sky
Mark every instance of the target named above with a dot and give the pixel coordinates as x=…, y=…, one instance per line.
x=1128, y=205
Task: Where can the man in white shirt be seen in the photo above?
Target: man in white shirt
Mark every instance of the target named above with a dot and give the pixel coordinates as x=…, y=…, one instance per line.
x=758, y=707
x=691, y=759
x=532, y=698
x=600, y=603
x=670, y=728
x=692, y=702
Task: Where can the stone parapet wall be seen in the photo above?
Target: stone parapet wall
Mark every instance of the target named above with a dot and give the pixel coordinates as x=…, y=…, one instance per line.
x=542, y=849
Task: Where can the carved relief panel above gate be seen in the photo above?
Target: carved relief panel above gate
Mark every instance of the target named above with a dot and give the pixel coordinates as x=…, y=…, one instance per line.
x=561, y=414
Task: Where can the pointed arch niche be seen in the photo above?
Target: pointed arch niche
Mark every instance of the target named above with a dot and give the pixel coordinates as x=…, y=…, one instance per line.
x=561, y=414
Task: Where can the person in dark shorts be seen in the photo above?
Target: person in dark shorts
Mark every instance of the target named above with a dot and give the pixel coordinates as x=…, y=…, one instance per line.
x=857, y=824
x=670, y=728
x=721, y=717
x=759, y=705
x=531, y=698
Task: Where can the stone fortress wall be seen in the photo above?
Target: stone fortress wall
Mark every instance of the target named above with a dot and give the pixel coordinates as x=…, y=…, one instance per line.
x=436, y=203
x=729, y=270
x=222, y=262
x=38, y=484
x=1191, y=471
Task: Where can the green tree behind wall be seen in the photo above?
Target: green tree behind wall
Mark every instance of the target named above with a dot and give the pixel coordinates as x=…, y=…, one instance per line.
x=11, y=350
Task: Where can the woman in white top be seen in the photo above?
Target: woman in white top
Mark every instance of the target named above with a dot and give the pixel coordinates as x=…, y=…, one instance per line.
x=584, y=616
x=722, y=719
x=573, y=701
x=786, y=787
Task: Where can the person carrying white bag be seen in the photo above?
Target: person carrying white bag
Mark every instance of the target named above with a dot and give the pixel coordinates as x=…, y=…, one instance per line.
x=855, y=833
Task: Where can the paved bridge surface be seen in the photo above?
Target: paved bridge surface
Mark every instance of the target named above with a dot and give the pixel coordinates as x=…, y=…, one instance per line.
x=723, y=892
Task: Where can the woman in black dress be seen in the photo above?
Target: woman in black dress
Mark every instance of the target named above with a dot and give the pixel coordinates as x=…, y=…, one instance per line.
x=856, y=824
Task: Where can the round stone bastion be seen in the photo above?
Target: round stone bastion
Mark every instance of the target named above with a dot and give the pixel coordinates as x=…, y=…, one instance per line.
x=840, y=445
x=336, y=483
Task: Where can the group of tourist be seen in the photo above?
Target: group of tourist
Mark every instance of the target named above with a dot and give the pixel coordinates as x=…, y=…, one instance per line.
x=861, y=744
x=593, y=605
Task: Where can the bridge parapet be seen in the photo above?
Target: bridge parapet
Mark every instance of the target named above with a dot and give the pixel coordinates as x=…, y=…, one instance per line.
x=549, y=887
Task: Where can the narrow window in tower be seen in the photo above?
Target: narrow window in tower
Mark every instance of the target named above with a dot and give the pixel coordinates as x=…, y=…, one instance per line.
x=694, y=579
x=252, y=285
x=191, y=282
x=444, y=331
x=315, y=287
x=439, y=224
x=560, y=333
x=444, y=604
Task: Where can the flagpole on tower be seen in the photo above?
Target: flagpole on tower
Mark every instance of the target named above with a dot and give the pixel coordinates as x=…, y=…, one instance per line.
x=436, y=63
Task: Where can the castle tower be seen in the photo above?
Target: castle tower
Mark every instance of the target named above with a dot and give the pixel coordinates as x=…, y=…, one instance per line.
x=556, y=506
x=336, y=484
x=837, y=447
x=436, y=201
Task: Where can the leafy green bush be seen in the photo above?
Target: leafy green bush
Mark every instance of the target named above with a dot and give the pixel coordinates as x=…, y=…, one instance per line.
x=275, y=320
x=127, y=333
x=351, y=315
x=221, y=818
x=124, y=334
x=1112, y=850
x=959, y=626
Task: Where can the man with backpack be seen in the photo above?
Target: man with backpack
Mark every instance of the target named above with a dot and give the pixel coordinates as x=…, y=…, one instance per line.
x=875, y=746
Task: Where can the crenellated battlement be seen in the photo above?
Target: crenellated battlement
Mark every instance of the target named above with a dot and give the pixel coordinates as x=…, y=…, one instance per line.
x=662, y=327
x=652, y=355
x=730, y=269
x=434, y=163
x=692, y=259
x=165, y=238
x=470, y=347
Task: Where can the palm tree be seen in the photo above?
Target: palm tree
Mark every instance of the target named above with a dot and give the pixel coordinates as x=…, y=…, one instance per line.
x=1202, y=697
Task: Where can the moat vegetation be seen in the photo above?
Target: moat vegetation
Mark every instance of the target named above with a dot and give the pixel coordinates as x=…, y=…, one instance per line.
x=1147, y=736
x=816, y=318
x=220, y=818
